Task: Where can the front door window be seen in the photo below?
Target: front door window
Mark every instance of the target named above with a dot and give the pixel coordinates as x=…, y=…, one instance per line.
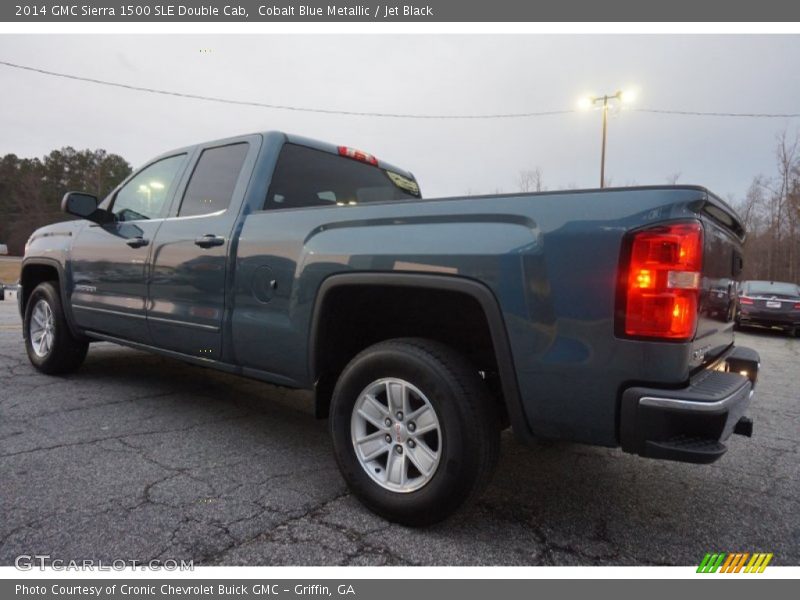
x=145, y=196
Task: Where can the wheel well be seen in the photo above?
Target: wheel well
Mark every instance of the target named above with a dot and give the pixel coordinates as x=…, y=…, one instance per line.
x=33, y=275
x=354, y=317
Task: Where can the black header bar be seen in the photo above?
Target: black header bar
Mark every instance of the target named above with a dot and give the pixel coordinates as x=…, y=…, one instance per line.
x=431, y=11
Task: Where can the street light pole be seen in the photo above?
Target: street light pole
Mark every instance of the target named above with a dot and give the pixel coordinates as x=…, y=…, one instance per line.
x=604, y=99
x=603, y=149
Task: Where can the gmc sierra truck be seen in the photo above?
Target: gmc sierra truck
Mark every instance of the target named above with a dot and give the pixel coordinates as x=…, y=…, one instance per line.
x=423, y=326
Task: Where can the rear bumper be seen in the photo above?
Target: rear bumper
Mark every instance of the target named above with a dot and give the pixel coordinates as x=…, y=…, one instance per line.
x=690, y=424
x=766, y=318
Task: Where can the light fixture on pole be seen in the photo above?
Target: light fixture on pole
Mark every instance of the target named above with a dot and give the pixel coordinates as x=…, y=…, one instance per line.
x=625, y=97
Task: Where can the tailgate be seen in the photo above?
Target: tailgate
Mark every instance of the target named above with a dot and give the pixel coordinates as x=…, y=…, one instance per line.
x=722, y=264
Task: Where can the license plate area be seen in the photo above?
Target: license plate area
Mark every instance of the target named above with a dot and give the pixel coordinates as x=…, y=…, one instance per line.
x=773, y=304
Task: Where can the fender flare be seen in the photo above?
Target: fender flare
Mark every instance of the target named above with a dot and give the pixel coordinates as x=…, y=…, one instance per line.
x=472, y=288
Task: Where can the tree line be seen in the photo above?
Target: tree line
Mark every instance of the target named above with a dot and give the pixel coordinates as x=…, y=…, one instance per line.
x=771, y=214
x=31, y=188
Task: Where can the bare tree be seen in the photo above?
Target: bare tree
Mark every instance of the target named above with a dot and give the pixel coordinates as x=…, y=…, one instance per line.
x=752, y=204
x=530, y=180
x=771, y=215
x=672, y=178
x=786, y=153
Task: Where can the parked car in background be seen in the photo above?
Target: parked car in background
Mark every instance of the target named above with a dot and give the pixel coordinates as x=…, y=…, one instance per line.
x=771, y=304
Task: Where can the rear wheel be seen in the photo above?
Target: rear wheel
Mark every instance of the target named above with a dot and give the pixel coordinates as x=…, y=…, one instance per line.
x=51, y=347
x=414, y=430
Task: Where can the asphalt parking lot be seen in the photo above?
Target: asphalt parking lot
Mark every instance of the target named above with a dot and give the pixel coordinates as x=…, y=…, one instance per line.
x=138, y=457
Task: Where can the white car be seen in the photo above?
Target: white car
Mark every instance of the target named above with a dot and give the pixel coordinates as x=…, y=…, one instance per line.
x=3, y=249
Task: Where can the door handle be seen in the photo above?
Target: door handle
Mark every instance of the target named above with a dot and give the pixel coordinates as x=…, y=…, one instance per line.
x=137, y=242
x=209, y=241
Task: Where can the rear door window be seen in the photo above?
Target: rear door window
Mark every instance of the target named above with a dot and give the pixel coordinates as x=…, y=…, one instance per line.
x=214, y=178
x=307, y=177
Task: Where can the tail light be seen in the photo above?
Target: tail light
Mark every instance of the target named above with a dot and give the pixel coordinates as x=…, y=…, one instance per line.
x=358, y=155
x=663, y=281
x=746, y=300
x=796, y=306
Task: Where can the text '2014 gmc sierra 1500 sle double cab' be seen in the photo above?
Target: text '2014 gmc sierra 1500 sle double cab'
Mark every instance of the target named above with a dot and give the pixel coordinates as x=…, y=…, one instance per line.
x=424, y=326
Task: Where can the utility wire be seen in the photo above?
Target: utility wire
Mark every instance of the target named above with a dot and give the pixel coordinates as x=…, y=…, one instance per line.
x=379, y=114
x=282, y=106
x=718, y=114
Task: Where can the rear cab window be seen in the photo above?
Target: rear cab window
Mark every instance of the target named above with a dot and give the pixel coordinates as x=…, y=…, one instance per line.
x=307, y=177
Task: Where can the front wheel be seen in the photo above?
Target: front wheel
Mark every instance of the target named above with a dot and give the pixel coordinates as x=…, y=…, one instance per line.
x=414, y=430
x=51, y=347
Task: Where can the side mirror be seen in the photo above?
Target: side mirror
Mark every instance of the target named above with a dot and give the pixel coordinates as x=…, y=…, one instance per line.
x=85, y=206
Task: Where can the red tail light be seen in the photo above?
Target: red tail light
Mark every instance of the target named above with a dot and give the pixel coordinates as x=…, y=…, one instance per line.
x=663, y=281
x=358, y=155
x=796, y=306
x=746, y=300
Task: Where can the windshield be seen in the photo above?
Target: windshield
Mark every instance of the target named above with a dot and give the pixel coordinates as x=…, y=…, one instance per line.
x=775, y=288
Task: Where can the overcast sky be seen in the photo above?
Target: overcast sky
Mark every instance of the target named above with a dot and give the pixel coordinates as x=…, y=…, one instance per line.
x=433, y=74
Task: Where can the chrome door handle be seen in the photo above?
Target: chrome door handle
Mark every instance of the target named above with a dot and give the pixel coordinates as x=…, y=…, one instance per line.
x=137, y=242
x=209, y=241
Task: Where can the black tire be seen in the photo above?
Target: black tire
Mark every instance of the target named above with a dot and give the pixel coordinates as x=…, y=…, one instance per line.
x=470, y=429
x=66, y=354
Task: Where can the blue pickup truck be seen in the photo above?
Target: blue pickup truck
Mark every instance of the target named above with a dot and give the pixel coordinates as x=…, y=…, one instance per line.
x=423, y=326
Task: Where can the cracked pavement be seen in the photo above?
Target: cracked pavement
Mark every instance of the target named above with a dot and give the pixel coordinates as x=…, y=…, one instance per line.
x=138, y=457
